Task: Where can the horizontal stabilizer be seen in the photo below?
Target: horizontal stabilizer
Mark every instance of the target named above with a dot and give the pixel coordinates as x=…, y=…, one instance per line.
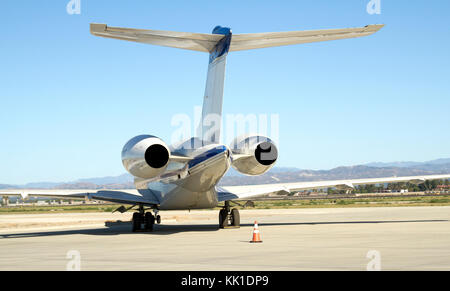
x=205, y=42
x=271, y=39
x=183, y=40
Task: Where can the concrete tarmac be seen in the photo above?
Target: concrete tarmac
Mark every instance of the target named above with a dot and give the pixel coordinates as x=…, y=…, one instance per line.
x=405, y=238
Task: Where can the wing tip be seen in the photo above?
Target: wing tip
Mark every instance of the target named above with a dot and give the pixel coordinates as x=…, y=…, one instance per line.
x=374, y=27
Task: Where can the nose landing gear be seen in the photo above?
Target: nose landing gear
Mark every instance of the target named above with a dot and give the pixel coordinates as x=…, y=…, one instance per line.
x=229, y=218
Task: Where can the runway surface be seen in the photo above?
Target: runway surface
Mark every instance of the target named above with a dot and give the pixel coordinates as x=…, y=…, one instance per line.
x=405, y=238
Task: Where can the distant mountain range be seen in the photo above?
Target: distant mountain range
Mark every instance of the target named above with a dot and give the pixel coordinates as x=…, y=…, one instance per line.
x=276, y=175
x=123, y=181
x=427, y=164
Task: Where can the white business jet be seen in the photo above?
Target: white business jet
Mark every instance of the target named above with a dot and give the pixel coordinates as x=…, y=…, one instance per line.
x=185, y=175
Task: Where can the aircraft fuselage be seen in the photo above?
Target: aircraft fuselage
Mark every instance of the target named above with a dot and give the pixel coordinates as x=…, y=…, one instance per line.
x=194, y=187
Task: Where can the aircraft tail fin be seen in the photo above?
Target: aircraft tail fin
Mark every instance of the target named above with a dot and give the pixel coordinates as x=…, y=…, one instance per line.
x=210, y=124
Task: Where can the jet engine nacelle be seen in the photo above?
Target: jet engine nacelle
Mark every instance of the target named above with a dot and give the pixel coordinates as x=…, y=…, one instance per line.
x=253, y=155
x=145, y=156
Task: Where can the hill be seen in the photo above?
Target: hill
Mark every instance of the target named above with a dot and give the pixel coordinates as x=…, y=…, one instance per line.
x=275, y=175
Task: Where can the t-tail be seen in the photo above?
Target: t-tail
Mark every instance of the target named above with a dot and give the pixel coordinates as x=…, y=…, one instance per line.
x=218, y=44
x=209, y=127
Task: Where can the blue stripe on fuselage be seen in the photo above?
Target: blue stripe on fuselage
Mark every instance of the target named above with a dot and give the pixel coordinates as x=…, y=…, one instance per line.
x=206, y=155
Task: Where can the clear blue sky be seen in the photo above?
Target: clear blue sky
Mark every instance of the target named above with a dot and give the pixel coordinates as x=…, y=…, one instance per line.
x=69, y=100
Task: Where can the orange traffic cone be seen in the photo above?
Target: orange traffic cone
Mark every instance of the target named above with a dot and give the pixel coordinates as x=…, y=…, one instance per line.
x=256, y=236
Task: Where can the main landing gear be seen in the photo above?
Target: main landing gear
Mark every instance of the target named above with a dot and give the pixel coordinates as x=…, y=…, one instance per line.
x=144, y=221
x=229, y=218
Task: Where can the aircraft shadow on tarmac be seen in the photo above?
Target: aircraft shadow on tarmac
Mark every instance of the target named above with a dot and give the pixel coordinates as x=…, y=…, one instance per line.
x=125, y=228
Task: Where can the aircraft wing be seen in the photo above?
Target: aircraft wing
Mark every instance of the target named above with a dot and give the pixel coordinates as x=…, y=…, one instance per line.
x=131, y=196
x=250, y=191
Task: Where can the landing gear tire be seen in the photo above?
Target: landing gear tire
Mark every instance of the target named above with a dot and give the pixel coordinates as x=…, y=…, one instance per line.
x=158, y=219
x=137, y=221
x=223, y=218
x=143, y=218
x=235, y=218
x=149, y=221
x=229, y=218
